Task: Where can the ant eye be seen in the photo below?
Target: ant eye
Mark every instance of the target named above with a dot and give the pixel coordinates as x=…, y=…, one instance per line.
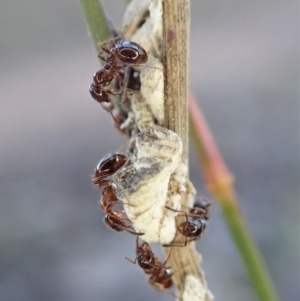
x=129, y=53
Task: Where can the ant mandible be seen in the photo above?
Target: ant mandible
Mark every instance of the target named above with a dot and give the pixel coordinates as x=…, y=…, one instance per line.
x=160, y=276
x=194, y=224
x=108, y=166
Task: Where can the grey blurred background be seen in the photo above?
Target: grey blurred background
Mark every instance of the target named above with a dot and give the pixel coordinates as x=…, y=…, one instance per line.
x=244, y=71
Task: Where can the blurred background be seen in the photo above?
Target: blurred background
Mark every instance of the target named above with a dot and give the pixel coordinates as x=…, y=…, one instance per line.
x=244, y=71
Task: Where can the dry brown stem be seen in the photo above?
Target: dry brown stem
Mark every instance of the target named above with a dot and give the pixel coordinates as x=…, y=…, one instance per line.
x=185, y=261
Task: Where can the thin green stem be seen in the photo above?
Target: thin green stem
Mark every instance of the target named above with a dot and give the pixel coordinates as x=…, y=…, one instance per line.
x=220, y=183
x=253, y=261
x=96, y=21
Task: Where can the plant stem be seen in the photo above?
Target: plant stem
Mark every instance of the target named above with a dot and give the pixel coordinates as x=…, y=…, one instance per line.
x=220, y=183
x=249, y=252
x=176, y=24
x=96, y=21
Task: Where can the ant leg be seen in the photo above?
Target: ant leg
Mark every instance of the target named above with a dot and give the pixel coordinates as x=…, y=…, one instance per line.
x=133, y=232
x=102, y=57
x=109, y=42
x=103, y=97
x=195, y=215
x=176, y=244
x=185, y=242
x=112, y=204
x=137, y=242
x=134, y=262
x=110, y=109
x=127, y=227
x=103, y=49
x=200, y=211
x=179, y=211
x=166, y=260
x=137, y=245
x=206, y=201
x=192, y=239
x=99, y=182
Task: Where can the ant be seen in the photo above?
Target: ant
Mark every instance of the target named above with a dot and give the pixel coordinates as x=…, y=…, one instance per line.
x=129, y=53
x=160, y=275
x=195, y=222
x=116, y=221
x=121, y=55
x=201, y=207
x=107, y=167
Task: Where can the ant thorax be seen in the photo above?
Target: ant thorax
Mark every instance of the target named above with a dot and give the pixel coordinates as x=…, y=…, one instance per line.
x=143, y=184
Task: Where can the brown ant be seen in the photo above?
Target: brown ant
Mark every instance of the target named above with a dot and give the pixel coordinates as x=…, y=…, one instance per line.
x=201, y=207
x=144, y=255
x=121, y=55
x=107, y=167
x=116, y=221
x=160, y=276
x=194, y=224
x=127, y=52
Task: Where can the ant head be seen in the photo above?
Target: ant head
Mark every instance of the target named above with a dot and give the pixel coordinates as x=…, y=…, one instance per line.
x=131, y=53
x=145, y=256
x=198, y=226
x=111, y=164
x=192, y=228
x=201, y=208
x=202, y=203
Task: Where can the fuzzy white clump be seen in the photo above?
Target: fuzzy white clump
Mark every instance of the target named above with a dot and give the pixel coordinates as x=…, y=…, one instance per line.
x=143, y=184
x=152, y=88
x=194, y=290
x=142, y=112
x=149, y=34
x=133, y=16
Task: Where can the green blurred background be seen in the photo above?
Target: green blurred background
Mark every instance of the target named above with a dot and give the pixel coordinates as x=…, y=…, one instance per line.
x=244, y=71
